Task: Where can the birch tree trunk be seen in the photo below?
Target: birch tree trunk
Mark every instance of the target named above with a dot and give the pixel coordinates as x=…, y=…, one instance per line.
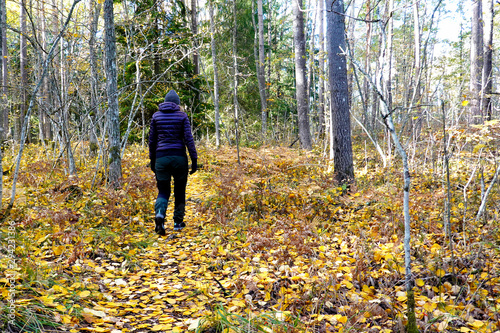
x=261, y=70
x=216, y=74
x=115, y=165
x=476, y=63
x=487, y=83
x=301, y=75
x=341, y=122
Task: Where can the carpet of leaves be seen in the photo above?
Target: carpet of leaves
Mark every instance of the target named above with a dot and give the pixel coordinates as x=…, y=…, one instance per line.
x=271, y=245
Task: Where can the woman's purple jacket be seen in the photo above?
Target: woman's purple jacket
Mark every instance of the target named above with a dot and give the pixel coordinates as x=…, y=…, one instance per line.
x=170, y=133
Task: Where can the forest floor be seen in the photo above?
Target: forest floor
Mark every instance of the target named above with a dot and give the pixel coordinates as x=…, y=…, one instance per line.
x=271, y=245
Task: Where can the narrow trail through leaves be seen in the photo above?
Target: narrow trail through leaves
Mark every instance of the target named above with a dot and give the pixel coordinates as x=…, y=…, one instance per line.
x=271, y=242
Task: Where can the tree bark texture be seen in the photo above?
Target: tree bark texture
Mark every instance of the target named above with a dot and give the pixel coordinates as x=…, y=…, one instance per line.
x=321, y=74
x=216, y=75
x=301, y=75
x=23, y=58
x=417, y=63
x=235, y=82
x=261, y=70
x=487, y=83
x=95, y=10
x=196, y=56
x=115, y=168
x=341, y=121
x=476, y=62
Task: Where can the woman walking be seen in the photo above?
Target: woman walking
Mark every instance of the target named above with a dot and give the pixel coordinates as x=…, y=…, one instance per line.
x=169, y=135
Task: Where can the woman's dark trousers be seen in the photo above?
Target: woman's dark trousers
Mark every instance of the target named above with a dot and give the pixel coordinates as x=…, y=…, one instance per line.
x=166, y=168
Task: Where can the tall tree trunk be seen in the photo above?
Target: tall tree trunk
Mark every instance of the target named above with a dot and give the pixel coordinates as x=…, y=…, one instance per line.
x=417, y=63
x=269, y=46
x=321, y=74
x=43, y=109
x=311, y=98
x=301, y=75
x=366, y=86
x=476, y=62
x=196, y=62
x=350, y=41
x=235, y=82
x=341, y=120
x=113, y=116
x=487, y=82
x=216, y=74
x=95, y=10
x=23, y=66
x=261, y=70
x=416, y=95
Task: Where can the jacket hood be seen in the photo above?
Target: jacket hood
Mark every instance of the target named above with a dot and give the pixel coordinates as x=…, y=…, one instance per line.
x=168, y=107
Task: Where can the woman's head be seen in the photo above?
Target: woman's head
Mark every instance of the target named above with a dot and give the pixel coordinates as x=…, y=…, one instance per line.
x=172, y=97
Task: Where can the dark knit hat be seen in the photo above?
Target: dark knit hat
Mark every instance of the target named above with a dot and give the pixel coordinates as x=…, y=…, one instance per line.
x=173, y=97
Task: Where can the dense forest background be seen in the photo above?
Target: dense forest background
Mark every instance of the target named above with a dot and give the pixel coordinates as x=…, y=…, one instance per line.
x=199, y=49
x=348, y=166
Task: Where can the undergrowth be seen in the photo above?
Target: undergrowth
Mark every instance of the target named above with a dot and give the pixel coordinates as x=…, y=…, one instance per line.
x=275, y=245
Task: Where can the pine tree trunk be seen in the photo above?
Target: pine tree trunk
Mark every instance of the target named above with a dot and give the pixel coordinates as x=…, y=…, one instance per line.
x=261, y=70
x=487, y=82
x=341, y=121
x=235, y=83
x=115, y=167
x=301, y=75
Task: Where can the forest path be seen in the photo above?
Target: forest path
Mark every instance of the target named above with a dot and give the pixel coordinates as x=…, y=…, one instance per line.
x=173, y=281
x=272, y=240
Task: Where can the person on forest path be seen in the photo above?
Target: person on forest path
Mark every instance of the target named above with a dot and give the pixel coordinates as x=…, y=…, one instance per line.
x=169, y=135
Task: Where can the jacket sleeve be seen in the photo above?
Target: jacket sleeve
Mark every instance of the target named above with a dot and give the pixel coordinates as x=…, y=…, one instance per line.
x=188, y=139
x=153, y=140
